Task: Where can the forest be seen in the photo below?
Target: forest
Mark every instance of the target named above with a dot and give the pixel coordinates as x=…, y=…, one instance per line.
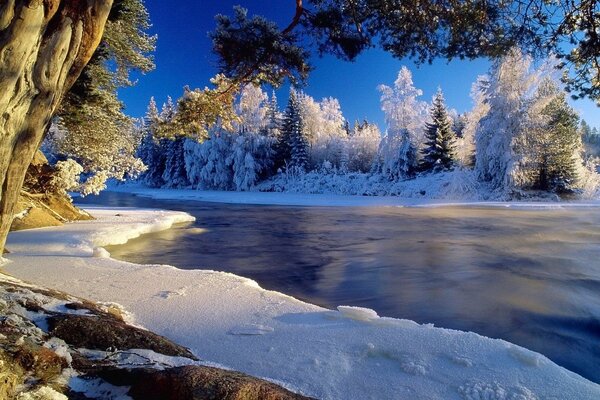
x=521, y=139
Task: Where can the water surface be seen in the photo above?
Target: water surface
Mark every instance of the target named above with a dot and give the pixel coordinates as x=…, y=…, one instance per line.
x=531, y=277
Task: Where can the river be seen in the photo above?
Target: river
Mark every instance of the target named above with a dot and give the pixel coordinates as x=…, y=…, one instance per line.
x=529, y=276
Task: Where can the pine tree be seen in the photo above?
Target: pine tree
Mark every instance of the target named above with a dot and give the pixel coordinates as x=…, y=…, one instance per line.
x=438, y=153
x=559, y=171
x=151, y=149
x=292, y=145
x=174, y=174
x=274, y=116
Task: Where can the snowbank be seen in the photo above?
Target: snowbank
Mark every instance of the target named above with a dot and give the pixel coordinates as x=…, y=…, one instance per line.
x=349, y=353
x=330, y=200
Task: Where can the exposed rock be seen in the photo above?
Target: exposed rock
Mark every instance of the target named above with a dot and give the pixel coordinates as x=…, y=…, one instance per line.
x=104, y=332
x=32, y=361
x=11, y=375
x=196, y=383
x=44, y=363
x=39, y=204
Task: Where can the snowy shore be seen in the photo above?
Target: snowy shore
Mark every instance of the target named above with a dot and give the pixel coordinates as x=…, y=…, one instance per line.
x=344, y=354
x=329, y=200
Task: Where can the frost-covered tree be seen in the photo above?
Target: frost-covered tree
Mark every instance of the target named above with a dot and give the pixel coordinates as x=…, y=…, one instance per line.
x=501, y=138
x=328, y=141
x=274, y=117
x=252, y=108
x=292, y=144
x=97, y=133
x=252, y=159
x=209, y=163
x=310, y=112
x=363, y=143
x=405, y=116
x=554, y=143
x=174, y=174
x=151, y=149
x=402, y=108
x=465, y=143
x=562, y=156
x=438, y=152
x=591, y=140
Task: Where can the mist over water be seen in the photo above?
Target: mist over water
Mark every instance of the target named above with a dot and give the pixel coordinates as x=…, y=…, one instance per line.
x=531, y=277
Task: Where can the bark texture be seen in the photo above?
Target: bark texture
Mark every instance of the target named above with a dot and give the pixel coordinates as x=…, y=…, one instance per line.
x=44, y=46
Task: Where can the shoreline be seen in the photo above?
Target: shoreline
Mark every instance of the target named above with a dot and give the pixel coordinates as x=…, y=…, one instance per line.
x=329, y=200
x=230, y=320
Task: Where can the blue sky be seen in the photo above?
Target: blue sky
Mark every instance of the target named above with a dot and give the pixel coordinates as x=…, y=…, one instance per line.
x=184, y=57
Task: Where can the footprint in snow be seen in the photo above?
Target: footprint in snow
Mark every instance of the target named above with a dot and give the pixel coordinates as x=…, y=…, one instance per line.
x=250, y=330
x=167, y=294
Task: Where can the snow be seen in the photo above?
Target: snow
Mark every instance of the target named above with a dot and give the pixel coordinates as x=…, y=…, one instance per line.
x=331, y=200
x=348, y=353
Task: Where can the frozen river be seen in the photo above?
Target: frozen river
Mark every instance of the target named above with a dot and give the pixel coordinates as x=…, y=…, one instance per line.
x=531, y=277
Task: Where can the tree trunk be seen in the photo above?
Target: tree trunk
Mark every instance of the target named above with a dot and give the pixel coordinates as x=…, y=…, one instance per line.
x=44, y=46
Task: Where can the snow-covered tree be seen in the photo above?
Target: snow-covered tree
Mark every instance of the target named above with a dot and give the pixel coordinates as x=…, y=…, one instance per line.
x=209, y=164
x=292, y=144
x=329, y=140
x=561, y=158
x=252, y=159
x=274, y=117
x=253, y=109
x=151, y=149
x=405, y=116
x=501, y=137
x=465, y=143
x=363, y=143
x=171, y=151
x=438, y=153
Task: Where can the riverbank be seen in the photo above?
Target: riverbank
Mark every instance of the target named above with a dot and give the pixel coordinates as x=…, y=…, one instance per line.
x=230, y=320
x=329, y=200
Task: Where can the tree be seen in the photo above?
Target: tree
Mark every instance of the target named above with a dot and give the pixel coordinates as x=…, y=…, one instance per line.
x=274, y=116
x=363, y=143
x=151, y=148
x=404, y=115
x=252, y=49
x=563, y=153
x=465, y=144
x=97, y=133
x=44, y=46
x=252, y=109
x=292, y=145
x=438, y=153
x=501, y=138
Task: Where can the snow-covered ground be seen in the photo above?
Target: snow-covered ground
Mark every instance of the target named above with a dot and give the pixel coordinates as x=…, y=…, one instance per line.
x=303, y=199
x=348, y=353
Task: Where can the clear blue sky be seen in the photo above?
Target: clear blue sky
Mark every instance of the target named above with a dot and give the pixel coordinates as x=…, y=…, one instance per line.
x=184, y=57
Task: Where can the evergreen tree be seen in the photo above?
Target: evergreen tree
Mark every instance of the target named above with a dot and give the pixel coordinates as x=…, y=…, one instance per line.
x=558, y=170
x=292, y=145
x=150, y=150
x=274, y=117
x=438, y=153
x=172, y=153
x=174, y=174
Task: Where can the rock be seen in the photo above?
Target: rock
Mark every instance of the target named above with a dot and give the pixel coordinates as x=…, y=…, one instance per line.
x=196, y=383
x=11, y=376
x=104, y=331
x=39, y=204
x=43, y=362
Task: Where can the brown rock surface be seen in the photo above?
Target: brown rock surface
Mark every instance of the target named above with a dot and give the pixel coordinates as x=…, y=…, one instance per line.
x=197, y=383
x=102, y=332
x=38, y=206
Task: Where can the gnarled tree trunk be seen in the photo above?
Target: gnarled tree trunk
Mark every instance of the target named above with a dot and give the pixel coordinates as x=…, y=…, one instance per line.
x=44, y=45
